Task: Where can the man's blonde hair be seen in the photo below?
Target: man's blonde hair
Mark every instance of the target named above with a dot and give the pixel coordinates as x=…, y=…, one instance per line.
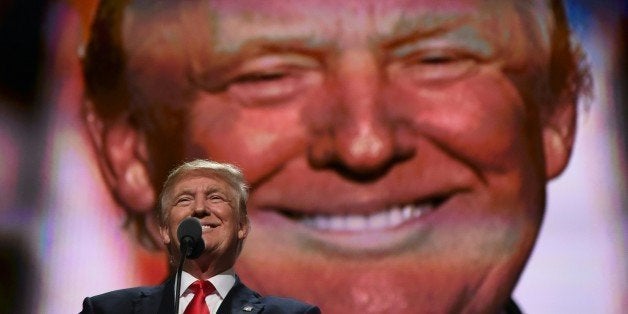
x=229, y=173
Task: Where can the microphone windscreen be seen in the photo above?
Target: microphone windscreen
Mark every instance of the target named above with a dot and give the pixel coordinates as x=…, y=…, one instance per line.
x=190, y=232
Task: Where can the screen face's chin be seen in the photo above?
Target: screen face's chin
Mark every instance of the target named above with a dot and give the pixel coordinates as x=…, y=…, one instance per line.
x=464, y=253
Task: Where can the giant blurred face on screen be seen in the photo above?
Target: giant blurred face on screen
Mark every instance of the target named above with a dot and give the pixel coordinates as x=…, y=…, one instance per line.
x=398, y=151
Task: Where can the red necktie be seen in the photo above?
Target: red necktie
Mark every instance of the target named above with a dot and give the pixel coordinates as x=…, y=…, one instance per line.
x=201, y=289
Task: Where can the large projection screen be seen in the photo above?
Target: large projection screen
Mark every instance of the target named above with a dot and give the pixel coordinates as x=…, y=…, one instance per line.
x=67, y=237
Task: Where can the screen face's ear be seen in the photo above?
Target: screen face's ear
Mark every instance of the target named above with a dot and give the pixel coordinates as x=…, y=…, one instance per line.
x=559, y=128
x=122, y=156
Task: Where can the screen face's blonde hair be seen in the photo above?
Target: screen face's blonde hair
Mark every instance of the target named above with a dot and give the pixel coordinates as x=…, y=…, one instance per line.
x=231, y=174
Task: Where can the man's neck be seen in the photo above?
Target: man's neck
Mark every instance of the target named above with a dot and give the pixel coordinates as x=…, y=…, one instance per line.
x=204, y=268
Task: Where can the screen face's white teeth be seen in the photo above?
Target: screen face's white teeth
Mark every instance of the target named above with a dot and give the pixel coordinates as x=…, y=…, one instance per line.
x=205, y=227
x=384, y=219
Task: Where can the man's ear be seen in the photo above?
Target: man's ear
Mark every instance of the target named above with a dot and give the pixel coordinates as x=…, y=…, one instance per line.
x=245, y=227
x=559, y=128
x=122, y=155
x=165, y=235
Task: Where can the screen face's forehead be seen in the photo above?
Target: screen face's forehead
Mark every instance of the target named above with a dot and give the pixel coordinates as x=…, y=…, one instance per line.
x=205, y=36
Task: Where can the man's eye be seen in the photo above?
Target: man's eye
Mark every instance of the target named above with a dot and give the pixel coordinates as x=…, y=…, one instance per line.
x=216, y=198
x=183, y=201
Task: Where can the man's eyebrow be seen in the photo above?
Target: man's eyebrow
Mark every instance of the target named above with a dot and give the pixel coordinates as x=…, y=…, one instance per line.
x=192, y=191
x=183, y=192
x=212, y=190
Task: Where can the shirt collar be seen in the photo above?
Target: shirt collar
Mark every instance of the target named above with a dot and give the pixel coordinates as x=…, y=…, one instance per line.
x=223, y=282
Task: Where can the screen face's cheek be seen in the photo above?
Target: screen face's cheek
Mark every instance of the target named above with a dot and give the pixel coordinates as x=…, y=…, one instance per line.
x=392, y=169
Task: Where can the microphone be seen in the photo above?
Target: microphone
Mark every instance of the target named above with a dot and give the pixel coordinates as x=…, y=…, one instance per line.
x=190, y=237
x=192, y=245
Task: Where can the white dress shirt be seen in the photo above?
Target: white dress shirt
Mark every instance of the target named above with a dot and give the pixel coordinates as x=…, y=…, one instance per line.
x=223, y=282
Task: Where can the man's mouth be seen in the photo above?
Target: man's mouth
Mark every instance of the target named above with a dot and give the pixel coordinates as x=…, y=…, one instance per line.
x=384, y=219
x=207, y=226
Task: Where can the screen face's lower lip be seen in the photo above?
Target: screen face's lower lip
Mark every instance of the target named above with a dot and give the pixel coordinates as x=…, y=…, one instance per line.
x=386, y=231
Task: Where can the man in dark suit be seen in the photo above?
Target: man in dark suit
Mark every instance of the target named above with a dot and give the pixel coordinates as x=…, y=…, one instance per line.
x=216, y=194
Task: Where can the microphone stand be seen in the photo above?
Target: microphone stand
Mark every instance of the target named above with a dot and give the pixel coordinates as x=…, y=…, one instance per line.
x=186, y=249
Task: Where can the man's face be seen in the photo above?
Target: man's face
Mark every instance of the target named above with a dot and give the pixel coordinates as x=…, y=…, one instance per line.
x=212, y=201
x=395, y=157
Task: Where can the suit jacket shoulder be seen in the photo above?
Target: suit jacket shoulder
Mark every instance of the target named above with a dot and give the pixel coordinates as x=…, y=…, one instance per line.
x=241, y=299
x=154, y=299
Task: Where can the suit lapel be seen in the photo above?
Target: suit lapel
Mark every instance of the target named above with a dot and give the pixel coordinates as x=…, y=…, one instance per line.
x=160, y=299
x=241, y=299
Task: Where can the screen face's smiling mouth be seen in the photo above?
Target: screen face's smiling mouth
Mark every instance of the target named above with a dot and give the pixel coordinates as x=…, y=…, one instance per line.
x=386, y=218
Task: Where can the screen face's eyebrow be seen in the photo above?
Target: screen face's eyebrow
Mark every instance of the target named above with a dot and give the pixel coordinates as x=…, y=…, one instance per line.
x=464, y=37
x=233, y=36
x=274, y=33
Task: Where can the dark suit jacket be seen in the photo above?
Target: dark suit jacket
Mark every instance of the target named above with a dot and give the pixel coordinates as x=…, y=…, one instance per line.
x=160, y=300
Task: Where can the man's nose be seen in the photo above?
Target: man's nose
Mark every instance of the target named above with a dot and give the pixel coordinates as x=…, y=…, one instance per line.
x=351, y=130
x=199, y=206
